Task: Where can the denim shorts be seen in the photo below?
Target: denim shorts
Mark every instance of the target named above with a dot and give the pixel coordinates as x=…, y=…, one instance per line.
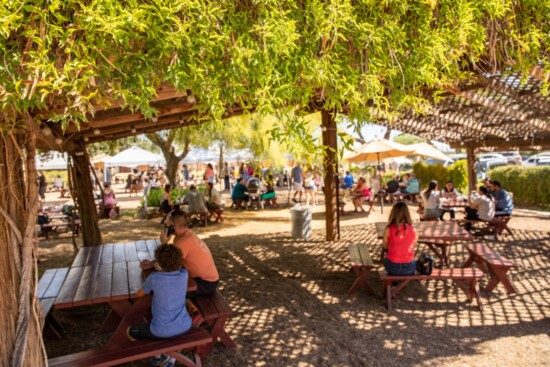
x=400, y=268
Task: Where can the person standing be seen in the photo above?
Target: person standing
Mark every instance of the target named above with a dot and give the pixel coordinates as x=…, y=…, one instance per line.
x=209, y=174
x=108, y=175
x=297, y=177
x=42, y=185
x=225, y=175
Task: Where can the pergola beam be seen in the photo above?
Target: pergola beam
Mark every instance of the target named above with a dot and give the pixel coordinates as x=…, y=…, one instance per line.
x=529, y=100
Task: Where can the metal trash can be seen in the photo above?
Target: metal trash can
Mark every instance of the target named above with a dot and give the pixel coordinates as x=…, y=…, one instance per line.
x=301, y=222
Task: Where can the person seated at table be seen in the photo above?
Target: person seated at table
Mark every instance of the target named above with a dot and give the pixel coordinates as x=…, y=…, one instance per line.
x=399, y=240
x=430, y=198
x=269, y=196
x=413, y=185
x=404, y=182
x=361, y=194
x=196, y=255
x=196, y=204
x=487, y=183
x=348, y=181
x=170, y=318
x=166, y=204
x=392, y=186
x=214, y=198
x=480, y=206
x=108, y=201
x=503, y=200
x=59, y=185
x=449, y=192
x=239, y=193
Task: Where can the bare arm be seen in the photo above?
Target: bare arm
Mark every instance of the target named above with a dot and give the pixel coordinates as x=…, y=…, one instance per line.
x=385, y=239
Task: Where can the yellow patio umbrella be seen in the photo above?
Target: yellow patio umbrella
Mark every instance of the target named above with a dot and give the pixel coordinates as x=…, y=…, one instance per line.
x=376, y=150
x=427, y=151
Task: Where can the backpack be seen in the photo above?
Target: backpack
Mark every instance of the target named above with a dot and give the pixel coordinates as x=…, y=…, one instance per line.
x=424, y=264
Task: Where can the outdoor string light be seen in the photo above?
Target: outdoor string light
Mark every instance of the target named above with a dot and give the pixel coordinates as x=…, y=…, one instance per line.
x=97, y=132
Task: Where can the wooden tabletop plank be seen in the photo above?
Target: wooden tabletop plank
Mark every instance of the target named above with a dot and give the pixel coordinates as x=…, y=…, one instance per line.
x=102, y=289
x=119, y=288
x=94, y=256
x=448, y=231
x=69, y=288
x=44, y=282
x=142, y=251
x=151, y=246
x=130, y=251
x=119, y=255
x=85, y=292
x=354, y=255
x=365, y=255
x=81, y=257
x=134, y=278
x=56, y=283
x=107, y=254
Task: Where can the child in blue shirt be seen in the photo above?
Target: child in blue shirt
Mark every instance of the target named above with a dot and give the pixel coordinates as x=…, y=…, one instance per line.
x=169, y=286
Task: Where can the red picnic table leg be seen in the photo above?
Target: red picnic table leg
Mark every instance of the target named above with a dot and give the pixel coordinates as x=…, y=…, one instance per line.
x=118, y=310
x=498, y=274
x=135, y=315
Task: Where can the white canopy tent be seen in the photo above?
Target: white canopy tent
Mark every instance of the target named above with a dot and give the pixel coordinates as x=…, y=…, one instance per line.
x=133, y=157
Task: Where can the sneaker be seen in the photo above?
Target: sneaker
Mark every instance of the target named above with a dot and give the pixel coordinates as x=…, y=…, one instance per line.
x=160, y=360
x=171, y=362
x=128, y=334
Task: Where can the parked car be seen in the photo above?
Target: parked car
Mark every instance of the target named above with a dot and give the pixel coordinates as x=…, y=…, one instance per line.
x=536, y=161
x=493, y=160
x=433, y=162
x=512, y=157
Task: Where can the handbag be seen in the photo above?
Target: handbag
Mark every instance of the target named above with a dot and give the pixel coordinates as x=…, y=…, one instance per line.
x=424, y=264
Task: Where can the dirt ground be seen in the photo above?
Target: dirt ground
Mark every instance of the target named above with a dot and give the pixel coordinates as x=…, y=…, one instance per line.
x=290, y=304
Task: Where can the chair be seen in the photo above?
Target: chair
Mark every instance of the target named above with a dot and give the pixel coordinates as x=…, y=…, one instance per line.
x=254, y=194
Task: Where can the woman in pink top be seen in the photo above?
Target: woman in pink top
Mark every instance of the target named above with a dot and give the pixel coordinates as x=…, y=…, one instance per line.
x=400, y=237
x=360, y=194
x=209, y=173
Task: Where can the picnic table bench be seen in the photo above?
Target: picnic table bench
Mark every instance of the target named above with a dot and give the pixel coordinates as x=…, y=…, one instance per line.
x=496, y=226
x=361, y=265
x=216, y=214
x=458, y=275
x=492, y=263
x=195, y=341
x=216, y=312
x=49, y=228
x=48, y=288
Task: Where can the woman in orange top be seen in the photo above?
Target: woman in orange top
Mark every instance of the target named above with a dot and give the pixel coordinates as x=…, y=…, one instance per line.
x=400, y=237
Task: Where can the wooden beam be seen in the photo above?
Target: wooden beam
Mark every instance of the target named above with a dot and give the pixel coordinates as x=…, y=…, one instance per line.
x=499, y=108
x=164, y=92
x=471, y=123
x=532, y=100
x=471, y=162
x=502, y=144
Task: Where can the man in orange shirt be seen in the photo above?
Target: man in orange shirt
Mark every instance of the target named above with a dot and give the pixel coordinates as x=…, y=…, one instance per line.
x=197, y=258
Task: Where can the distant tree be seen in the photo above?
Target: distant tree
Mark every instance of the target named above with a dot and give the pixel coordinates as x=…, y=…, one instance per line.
x=408, y=139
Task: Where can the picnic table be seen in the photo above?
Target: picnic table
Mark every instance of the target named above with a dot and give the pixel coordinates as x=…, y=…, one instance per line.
x=110, y=274
x=448, y=204
x=435, y=234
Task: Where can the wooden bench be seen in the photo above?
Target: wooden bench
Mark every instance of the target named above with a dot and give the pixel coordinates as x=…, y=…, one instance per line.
x=216, y=312
x=239, y=204
x=48, y=288
x=201, y=218
x=492, y=263
x=496, y=226
x=217, y=214
x=457, y=275
x=194, y=341
x=105, y=213
x=361, y=265
x=49, y=228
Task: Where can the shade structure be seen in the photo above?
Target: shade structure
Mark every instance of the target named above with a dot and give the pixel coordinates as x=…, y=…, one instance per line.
x=133, y=157
x=427, y=151
x=378, y=149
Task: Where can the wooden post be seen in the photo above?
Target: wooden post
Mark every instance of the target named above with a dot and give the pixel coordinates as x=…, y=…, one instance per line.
x=472, y=176
x=84, y=198
x=330, y=165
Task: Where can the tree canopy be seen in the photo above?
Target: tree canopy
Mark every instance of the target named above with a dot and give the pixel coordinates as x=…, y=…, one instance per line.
x=63, y=59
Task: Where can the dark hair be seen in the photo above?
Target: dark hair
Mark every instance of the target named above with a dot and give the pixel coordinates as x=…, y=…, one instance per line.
x=450, y=181
x=106, y=185
x=168, y=257
x=167, y=187
x=192, y=187
x=399, y=215
x=484, y=190
x=239, y=179
x=496, y=183
x=178, y=218
x=431, y=187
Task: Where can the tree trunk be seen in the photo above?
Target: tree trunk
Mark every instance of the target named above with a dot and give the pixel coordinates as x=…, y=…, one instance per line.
x=84, y=198
x=20, y=315
x=172, y=160
x=330, y=166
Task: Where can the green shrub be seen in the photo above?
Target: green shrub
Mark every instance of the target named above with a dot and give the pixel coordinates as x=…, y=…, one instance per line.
x=458, y=173
x=528, y=184
x=154, y=196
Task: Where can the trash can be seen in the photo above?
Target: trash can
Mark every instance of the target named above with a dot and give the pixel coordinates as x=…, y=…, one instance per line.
x=301, y=222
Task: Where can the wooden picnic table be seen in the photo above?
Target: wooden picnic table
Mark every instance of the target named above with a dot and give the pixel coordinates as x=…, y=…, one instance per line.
x=453, y=203
x=435, y=234
x=110, y=274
